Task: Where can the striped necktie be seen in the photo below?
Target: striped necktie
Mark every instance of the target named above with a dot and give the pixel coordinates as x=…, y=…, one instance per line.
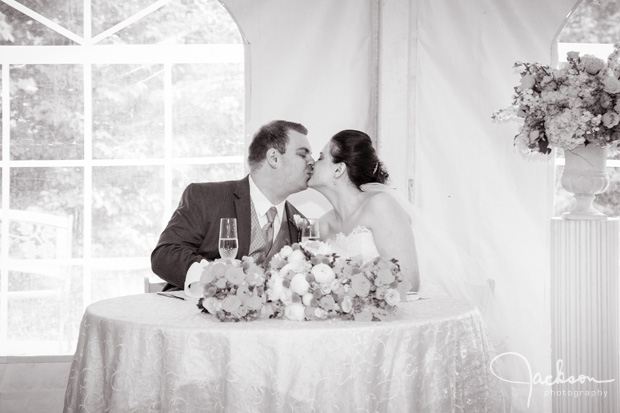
x=268, y=229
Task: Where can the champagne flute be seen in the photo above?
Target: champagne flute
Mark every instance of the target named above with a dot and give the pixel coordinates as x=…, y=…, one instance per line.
x=228, y=238
x=311, y=231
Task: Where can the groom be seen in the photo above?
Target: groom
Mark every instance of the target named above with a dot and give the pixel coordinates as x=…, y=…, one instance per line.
x=280, y=165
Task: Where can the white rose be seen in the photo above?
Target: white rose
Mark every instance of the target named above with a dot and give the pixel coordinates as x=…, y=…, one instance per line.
x=611, y=85
x=610, y=119
x=211, y=304
x=299, y=285
x=320, y=313
x=295, y=266
x=295, y=312
x=307, y=299
x=392, y=297
x=286, y=251
x=347, y=304
x=527, y=82
x=323, y=273
x=296, y=256
x=287, y=297
x=276, y=289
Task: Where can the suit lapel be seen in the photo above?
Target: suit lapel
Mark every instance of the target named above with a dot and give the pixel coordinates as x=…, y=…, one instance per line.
x=292, y=227
x=243, y=212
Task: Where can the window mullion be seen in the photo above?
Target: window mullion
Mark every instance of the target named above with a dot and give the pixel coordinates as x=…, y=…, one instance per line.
x=88, y=182
x=6, y=179
x=167, y=143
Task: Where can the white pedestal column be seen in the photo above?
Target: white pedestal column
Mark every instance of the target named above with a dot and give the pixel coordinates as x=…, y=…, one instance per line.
x=585, y=319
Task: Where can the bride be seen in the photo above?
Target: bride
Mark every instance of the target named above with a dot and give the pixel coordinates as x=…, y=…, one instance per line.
x=365, y=220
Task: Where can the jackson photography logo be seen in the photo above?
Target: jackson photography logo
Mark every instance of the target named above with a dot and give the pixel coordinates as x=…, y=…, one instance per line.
x=560, y=378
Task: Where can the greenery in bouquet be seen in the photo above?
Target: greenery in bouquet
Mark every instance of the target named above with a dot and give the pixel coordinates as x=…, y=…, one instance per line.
x=233, y=290
x=575, y=104
x=308, y=281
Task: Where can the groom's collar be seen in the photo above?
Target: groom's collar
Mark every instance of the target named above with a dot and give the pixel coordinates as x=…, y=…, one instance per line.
x=260, y=201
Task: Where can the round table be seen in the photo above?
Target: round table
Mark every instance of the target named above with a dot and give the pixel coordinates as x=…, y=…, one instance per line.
x=150, y=353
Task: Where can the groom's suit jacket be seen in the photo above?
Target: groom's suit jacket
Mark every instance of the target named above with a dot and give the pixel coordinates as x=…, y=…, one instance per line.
x=193, y=231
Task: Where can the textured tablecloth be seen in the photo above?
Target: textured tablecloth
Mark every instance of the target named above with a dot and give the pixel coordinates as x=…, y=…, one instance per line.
x=149, y=353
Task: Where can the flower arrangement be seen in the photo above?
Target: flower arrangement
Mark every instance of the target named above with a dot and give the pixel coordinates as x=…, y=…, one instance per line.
x=308, y=282
x=577, y=104
x=233, y=290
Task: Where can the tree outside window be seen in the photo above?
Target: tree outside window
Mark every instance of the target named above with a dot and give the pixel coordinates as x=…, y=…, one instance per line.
x=107, y=114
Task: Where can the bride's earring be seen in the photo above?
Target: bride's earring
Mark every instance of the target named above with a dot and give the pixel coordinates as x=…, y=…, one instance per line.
x=334, y=179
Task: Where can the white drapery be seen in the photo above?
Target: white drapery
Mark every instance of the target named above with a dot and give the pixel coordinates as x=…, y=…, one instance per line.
x=469, y=180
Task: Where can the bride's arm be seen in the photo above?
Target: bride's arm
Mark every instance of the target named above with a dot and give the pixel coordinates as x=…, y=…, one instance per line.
x=393, y=235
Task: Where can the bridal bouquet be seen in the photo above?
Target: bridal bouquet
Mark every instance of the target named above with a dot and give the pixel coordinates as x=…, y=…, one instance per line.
x=233, y=290
x=308, y=281
x=579, y=103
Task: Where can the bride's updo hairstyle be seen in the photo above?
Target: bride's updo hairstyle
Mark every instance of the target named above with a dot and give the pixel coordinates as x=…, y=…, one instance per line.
x=355, y=150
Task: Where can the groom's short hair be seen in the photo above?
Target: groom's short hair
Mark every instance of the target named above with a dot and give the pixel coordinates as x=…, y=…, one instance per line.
x=271, y=135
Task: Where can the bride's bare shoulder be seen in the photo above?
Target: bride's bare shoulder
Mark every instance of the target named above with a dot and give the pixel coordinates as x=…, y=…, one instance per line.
x=378, y=200
x=327, y=225
x=381, y=206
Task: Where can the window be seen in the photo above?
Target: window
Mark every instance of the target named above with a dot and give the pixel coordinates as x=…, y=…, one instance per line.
x=109, y=109
x=592, y=28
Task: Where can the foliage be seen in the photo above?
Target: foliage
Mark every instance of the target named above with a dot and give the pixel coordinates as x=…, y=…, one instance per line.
x=128, y=118
x=593, y=22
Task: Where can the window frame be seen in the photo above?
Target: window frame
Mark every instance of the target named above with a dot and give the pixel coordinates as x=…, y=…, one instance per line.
x=87, y=52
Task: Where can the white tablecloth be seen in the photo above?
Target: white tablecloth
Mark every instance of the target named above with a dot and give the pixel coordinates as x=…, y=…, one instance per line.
x=149, y=353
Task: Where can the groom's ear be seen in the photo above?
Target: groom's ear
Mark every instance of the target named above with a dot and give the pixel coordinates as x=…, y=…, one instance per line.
x=272, y=157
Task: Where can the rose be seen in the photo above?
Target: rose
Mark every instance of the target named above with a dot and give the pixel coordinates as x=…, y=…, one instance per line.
x=317, y=248
x=309, y=300
x=254, y=302
x=299, y=285
x=360, y=285
x=392, y=297
x=276, y=288
x=300, y=222
x=384, y=277
x=527, y=82
x=295, y=312
x=327, y=302
x=347, y=304
x=364, y=315
x=235, y=275
x=211, y=304
x=592, y=64
x=610, y=119
x=286, y=251
x=611, y=85
x=323, y=273
x=207, y=274
x=231, y=304
x=320, y=313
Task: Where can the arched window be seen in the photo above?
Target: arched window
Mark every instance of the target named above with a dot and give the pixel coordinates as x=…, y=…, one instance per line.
x=592, y=27
x=109, y=109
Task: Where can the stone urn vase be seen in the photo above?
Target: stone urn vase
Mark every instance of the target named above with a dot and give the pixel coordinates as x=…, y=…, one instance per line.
x=585, y=175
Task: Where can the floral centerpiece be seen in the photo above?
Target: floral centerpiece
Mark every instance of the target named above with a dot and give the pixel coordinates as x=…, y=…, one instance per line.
x=308, y=281
x=577, y=104
x=233, y=290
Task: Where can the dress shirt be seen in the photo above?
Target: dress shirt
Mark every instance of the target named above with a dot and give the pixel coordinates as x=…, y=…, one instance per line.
x=262, y=205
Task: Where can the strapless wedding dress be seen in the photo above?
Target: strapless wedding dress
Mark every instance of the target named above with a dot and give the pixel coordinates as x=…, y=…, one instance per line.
x=359, y=242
